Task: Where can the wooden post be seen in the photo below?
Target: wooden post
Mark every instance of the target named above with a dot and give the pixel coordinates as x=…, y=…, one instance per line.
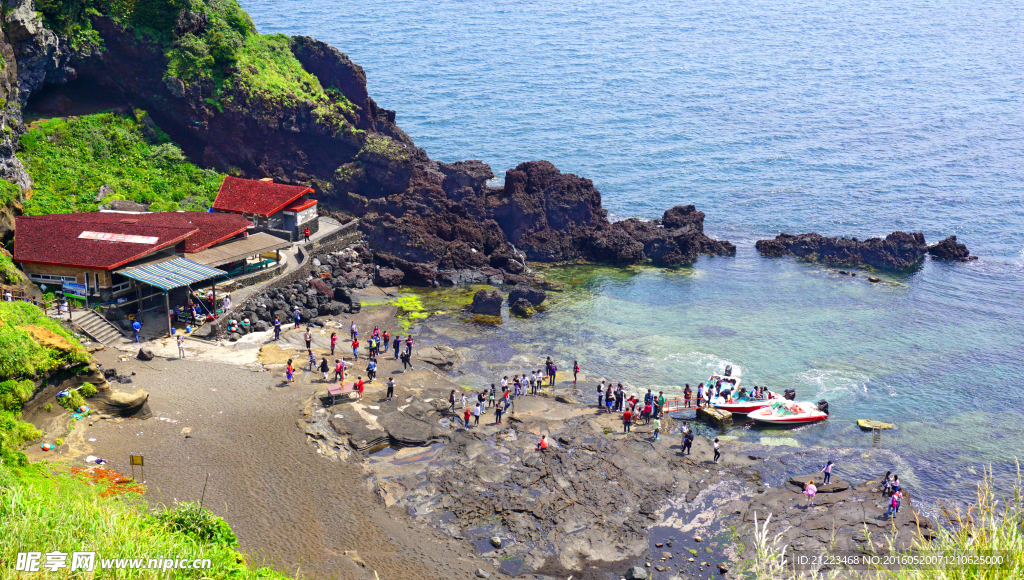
x=167, y=309
x=214, y=313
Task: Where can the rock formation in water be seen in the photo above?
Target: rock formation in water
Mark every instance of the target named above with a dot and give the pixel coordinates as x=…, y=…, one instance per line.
x=950, y=249
x=897, y=251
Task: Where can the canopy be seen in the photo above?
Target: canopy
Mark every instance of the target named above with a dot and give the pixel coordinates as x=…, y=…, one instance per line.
x=172, y=273
x=236, y=250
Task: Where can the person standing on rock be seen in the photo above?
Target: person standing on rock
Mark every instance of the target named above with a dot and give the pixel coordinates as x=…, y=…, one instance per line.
x=554, y=370
x=497, y=414
x=408, y=345
x=305, y=234
x=339, y=370
x=137, y=326
x=600, y=397
x=334, y=342
x=718, y=450
x=687, y=441
x=627, y=421
x=575, y=371
x=384, y=340
x=289, y=371
x=398, y=341
x=827, y=470
x=451, y=401
x=809, y=491
x=353, y=331
x=656, y=423
x=462, y=400
x=312, y=360
x=277, y=328
x=371, y=369
x=359, y=388
x=490, y=396
x=687, y=394
x=309, y=337
x=391, y=389
x=700, y=395
x=181, y=346
x=660, y=411
x=465, y=416
x=355, y=348
x=298, y=318
x=325, y=368
x=476, y=415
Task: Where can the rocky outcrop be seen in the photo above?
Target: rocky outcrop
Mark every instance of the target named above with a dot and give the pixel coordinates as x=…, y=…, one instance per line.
x=533, y=296
x=951, y=250
x=486, y=302
x=520, y=307
x=42, y=56
x=897, y=251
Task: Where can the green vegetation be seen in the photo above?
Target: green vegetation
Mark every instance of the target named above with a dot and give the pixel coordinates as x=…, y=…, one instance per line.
x=8, y=192
x=211, y=42
x=87, y=390
x=43, y=509
x=383, y=146
x=69, y=159
x=34, y=343
x=8, y=271
x=420, y=304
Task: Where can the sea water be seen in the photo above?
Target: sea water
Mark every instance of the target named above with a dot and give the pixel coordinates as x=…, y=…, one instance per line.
x=845, y=118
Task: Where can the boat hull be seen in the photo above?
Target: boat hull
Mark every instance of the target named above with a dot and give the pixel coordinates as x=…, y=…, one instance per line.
x=809, y=414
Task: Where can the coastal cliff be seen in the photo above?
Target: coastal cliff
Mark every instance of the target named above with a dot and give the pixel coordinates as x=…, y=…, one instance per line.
x=297, y=110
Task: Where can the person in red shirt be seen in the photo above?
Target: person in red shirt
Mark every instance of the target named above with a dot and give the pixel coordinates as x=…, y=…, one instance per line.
x=355, y=348
x=575, y=371
x=627, y=420
x=543, y=443
x=306, y=233
x=466, y=417
x=359, y=387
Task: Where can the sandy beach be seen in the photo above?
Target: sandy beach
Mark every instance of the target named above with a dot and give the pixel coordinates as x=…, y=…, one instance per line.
x=291, y=508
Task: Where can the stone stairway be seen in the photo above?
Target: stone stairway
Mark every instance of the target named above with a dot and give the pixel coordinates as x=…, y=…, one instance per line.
x=99, y=328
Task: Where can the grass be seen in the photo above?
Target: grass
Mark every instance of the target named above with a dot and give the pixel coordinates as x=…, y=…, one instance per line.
x=8, y=271
x=44, y=509
x=23, y=355
x=69, y=159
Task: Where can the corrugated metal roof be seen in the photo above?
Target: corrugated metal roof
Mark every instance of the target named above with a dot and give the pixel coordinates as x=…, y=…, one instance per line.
x=172, y=273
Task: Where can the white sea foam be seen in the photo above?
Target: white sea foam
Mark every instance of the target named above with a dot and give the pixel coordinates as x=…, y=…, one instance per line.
x=710, y=363
x=833, y=383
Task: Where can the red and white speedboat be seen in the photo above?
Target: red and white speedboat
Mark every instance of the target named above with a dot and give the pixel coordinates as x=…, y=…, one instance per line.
x=783, y=412
x=738, y=405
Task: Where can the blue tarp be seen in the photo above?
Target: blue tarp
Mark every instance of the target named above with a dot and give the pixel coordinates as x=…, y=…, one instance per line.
x=172, y=274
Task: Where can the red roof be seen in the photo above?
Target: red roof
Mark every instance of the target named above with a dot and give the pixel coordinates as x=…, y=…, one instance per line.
x=300, y=204
x=54, y=239
x=254, y=197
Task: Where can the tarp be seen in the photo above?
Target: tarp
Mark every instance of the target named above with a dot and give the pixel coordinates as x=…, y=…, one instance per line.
x=172, y=273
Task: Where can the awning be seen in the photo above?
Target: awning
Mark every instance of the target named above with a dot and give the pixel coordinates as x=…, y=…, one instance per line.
x=241, y=249
x=172, y=273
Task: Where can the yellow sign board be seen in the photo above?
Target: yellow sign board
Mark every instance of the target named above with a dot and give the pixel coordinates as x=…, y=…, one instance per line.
x=136, y=460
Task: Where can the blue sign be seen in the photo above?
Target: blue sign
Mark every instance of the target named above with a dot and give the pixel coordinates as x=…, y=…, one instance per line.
x=73, y=288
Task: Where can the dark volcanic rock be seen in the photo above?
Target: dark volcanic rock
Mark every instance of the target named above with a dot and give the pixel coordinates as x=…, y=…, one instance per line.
x=520, y=307
x=897, y=251
x=487, y=302
x=388, y=276
x=534, y=296
x=950, y=249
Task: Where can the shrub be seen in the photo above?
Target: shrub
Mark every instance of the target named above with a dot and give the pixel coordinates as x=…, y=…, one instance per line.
x=14, y=393
x=194, y=520
x=190, y=59
x=87, y=390
x=24, y=356
x=8, y=271
x=8, y=192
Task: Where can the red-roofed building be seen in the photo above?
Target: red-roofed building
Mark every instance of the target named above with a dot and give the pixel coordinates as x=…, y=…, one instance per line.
x=276, y=208
x=86, y=249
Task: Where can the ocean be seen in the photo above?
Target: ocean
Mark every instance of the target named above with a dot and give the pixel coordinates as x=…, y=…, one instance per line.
x=844, y=118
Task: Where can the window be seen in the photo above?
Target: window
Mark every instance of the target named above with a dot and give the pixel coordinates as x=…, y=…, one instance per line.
x=96, y=277
x=51, y=278
x=121, y=284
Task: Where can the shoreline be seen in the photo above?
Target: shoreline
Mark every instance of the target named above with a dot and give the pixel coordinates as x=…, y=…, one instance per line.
x=239, y=407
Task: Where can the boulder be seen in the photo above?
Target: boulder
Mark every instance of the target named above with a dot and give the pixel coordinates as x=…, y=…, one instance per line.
x=119, y=403
x=145, y=353
x=487, y=302
x=343, y=295
x=716, y=417
x=521, y=307
x=870, y=424
x=532, y=295
x=442, y=357
x=636, y=573
x=950, y=249
x=260, y=326
x=388, y=276
x=355, y=307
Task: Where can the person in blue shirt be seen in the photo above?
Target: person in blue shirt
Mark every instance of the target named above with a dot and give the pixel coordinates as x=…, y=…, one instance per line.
x=136, y=326
x=277, y=328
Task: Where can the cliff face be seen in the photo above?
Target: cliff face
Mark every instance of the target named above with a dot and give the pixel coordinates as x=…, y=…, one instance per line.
x=20, y=22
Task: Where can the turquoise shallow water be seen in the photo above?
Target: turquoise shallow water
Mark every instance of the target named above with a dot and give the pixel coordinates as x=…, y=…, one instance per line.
x=843, y=118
